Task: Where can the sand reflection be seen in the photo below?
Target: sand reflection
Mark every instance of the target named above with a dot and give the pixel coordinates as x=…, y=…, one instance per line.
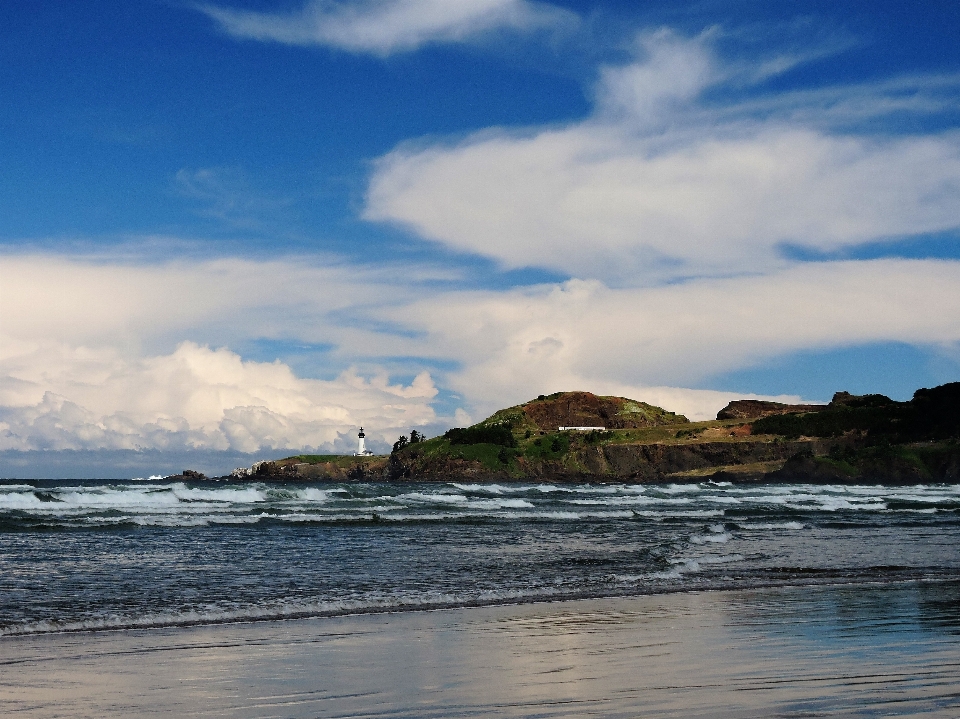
x=874, y=651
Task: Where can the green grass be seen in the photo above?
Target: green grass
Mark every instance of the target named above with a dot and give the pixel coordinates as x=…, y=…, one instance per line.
x=491, y=456
x=550, y=446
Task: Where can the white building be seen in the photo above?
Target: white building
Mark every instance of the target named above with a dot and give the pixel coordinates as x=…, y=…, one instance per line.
x=362, y=451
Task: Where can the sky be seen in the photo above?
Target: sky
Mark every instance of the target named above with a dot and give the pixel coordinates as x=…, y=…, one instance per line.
x=240, y=229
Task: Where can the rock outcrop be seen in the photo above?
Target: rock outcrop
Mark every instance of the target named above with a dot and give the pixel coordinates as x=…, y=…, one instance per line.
x=745, y=409
x=584, y=409
x=187, y=475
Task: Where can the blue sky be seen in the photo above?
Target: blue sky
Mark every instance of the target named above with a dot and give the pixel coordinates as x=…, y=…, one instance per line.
x=239, y=228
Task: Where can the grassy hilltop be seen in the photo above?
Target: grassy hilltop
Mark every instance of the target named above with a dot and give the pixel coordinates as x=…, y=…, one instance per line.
x=525, y=439
x=854, y=438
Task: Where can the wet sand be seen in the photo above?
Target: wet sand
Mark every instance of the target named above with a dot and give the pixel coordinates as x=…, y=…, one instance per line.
x=789, y=652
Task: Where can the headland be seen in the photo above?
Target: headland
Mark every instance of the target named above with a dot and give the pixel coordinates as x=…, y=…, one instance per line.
x=579, y=436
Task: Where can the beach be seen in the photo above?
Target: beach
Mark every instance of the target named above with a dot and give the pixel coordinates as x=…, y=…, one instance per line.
x=123, y=599
x=849, y=650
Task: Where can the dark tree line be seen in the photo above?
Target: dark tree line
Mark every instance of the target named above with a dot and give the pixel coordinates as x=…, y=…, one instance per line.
x=415, y=438
x=932, y=414
x=493, y=434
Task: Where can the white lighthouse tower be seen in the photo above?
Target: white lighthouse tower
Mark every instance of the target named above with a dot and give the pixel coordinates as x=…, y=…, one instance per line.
x=362, y=451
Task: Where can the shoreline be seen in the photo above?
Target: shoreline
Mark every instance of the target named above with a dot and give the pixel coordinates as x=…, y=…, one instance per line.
x=307, y=615
x=726, y=653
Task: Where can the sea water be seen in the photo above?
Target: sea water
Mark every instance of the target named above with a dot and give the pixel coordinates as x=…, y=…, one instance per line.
x=82, y=555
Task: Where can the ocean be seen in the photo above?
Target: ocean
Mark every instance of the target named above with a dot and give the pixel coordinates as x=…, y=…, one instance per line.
x=112, y=555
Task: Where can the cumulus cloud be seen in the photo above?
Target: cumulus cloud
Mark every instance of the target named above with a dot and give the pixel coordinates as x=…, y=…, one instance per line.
x=382, y=27
x=194, y=398
x=658, y=185
x=83, y=364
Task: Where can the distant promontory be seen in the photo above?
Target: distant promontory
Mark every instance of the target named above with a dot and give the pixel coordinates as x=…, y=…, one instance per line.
x=579, y=436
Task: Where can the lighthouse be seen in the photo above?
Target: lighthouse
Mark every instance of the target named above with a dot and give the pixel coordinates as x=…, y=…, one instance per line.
x=362, y=451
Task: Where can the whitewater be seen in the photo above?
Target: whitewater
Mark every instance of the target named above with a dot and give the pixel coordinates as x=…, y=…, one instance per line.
x=99, y=555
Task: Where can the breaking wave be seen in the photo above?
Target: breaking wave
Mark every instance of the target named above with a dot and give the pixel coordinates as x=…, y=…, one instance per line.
x=80, y=556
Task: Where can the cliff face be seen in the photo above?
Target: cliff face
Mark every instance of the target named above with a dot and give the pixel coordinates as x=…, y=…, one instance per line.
x=905, y=464
x=654, y=462
x=625, y=462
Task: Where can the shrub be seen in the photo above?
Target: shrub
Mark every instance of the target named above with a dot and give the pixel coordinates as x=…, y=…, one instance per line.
x=932, y=414
x=554, y=447
x=494, y=434
x=829, y=422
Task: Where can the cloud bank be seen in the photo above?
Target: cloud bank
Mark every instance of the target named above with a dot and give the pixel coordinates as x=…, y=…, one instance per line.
x=82, y=364
x=382, y=27
x=635, y=340
x=194, y=398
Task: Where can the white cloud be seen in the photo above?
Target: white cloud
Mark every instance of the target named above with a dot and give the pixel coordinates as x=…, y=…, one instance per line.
x=382, y=27
x=850, y=105
x=656, y=186
x=663, y=181
x=86, y=358
x=146, y=307
x=644, y=94
x=196, y=398
x=582, y=334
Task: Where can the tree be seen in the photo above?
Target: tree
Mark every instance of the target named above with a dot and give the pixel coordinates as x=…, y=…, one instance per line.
x=400, y=444
x=490, y=434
